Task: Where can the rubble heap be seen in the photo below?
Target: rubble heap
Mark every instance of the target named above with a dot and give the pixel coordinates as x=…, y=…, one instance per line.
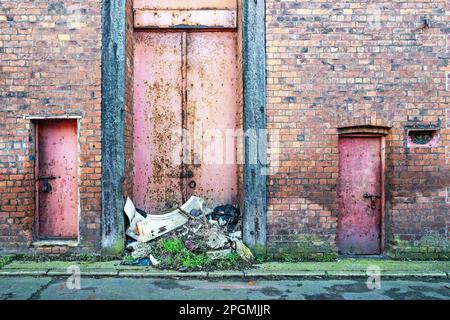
x=188, y=237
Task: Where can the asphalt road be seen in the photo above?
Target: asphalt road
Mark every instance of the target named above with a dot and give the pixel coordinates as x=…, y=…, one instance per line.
x=47, y=288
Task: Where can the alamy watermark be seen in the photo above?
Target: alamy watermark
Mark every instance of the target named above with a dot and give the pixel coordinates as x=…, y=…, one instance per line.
x=374, y=277
x=74, y=280
x=226, y=147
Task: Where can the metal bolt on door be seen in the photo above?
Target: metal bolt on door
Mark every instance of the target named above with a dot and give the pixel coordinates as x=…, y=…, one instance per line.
x=359, y=195
x=185, y=103
x=57, y=179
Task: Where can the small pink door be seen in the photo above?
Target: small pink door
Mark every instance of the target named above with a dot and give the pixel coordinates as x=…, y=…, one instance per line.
x=57, y=179
x=359, y=195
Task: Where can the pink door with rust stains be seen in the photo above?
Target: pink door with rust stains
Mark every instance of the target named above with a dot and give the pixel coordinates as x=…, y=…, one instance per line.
x=57, y=179
x=184, y=107
x=359, y=195
x=211, y=116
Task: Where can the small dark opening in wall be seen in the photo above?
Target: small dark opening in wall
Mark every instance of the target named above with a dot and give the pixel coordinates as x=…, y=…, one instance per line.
x=422, y=138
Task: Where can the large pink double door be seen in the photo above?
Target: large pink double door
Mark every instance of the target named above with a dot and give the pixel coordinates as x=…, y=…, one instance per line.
x=185, y=105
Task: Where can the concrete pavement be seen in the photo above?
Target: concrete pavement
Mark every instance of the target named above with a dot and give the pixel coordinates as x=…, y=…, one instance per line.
x=57, y=288
x=340, y=269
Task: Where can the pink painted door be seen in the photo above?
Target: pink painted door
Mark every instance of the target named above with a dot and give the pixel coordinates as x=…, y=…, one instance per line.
x=57, y=179
x=158, y=96
x=184, y=106
x=359, y=195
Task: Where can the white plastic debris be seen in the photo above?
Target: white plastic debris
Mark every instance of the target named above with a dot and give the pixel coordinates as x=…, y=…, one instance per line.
x=134, y=217
x=153, y=260
x=153, y=226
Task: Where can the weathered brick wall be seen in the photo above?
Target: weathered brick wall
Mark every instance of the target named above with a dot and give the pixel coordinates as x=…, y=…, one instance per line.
x=337, y=63
x=50, y=65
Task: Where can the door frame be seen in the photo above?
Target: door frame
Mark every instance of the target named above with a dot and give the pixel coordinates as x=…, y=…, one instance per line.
x=382, y=138
x=117, y=23
x=35, y=133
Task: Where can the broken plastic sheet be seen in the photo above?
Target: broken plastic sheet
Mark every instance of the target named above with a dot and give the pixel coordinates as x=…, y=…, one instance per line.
x=153, y=226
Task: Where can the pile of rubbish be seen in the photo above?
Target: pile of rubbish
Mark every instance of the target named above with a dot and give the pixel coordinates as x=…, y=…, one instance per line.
x=216, y=234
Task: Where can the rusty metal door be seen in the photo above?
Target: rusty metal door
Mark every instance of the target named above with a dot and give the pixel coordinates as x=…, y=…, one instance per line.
x=359, y=195
x=185, y=106
x=57, y=179
x=211, y=116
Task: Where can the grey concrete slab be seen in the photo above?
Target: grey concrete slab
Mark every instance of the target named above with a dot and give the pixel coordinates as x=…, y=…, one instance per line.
x=13, y=288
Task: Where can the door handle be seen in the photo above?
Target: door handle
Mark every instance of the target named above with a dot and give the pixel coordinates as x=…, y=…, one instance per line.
x=372, y=198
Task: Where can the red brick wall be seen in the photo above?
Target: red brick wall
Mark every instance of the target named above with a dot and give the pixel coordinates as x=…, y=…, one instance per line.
x=50, y=64
x=337, y=63
x=329, y=64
